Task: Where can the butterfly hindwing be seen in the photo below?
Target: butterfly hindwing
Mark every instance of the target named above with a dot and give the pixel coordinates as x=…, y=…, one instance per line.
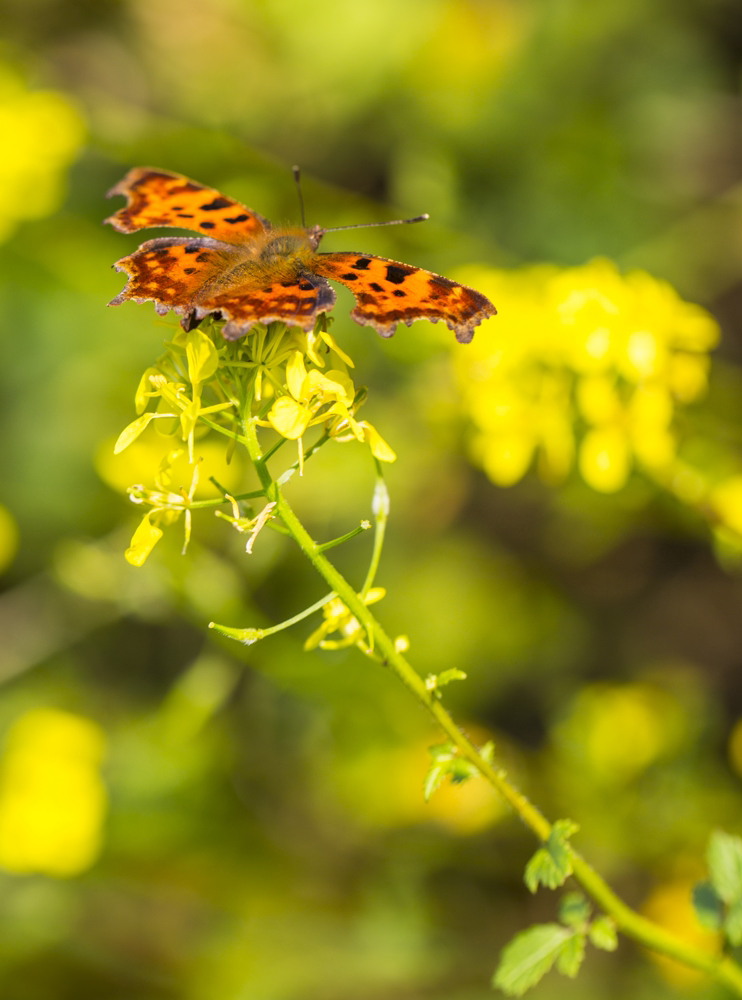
x=295, y=301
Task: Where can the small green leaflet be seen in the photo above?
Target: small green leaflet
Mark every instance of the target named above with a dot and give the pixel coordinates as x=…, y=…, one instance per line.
x=708, y=906
x=724, y=859
x=530, y=955
x=551, y=865
x=733, y=924
x=574, y=910
x=447, y=763
x=533, y=952
x=602, y=934
x=718, y=902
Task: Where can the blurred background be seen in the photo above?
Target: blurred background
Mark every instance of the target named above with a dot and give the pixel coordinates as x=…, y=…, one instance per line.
x=181, y=818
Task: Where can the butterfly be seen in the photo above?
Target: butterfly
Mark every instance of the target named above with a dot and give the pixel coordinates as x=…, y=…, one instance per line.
x=242, y=270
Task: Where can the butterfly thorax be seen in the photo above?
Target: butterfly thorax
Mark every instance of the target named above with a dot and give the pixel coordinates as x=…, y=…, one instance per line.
x=279, y=243
x=276, y=255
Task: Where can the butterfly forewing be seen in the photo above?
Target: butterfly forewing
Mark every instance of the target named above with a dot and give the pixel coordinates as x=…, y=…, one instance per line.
x=158, y=198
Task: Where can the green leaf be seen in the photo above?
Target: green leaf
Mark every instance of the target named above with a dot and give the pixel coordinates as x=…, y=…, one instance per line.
x=708, y=906
x=574, y=909
x=433, y=780
x=450, y=675
x=434, y=682
x=551, y=865
x=602, y=934
x=447, y=763
x=528, y=957
x=571, y=955
x=733, y=924
x=724, y=858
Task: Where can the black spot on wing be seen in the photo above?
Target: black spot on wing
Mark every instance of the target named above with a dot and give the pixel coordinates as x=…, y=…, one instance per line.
x=376, y=286
x=397, y=274
x=217, y=203
x=362, y=264
x=193, y=248
x=206, y=225
x=399, y=293
x=237, y=218
x=348, y=277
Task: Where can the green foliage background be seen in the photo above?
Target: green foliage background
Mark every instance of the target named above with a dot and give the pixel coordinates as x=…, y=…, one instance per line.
x=265, y=835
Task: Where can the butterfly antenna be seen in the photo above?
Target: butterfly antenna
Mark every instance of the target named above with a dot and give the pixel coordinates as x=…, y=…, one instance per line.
x=297, y=180
x=391, y=222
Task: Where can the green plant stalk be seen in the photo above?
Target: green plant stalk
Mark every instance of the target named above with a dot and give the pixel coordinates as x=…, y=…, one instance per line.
x=632, y=924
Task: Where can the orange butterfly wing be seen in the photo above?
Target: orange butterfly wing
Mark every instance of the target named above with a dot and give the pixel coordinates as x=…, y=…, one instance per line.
x=388, y=292
x=296, y=301
x=245, y=272
x=219, y=272
x=160, y=198
x=195, y=277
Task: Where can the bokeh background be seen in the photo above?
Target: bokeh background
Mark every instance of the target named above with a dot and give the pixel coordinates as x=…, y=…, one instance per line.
x=183, y=819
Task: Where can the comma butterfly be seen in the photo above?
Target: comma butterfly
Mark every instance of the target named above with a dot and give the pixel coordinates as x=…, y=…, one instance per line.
x=242, y=270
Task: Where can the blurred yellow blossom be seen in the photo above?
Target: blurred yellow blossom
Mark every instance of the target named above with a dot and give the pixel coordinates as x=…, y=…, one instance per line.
x=618, y=731
x=52, y=796
x=583, y=366
x=726, y=502
x=382, y=785
x=8, y=537
x=669, y=904
x=43, y=132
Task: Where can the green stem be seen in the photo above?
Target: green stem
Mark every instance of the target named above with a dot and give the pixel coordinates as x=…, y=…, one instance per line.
x=250, y=635
x=359, y=530
x=632, y=924
x=723, y=969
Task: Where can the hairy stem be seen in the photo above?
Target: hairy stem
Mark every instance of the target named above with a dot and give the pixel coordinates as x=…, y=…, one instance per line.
x=631, y=923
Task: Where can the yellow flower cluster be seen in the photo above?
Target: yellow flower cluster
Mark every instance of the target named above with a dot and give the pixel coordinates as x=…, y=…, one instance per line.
x=584, y=367
x=52, y=796
x=43, y=132
x=275, y=379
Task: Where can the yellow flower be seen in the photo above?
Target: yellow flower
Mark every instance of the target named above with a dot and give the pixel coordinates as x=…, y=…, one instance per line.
x=315, y=397
x=585, y=365
x=52, y=797
x=166, y=507
x=44, y=132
